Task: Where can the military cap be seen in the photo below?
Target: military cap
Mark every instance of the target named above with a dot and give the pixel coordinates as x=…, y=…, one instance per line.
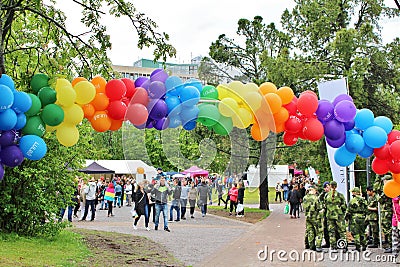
x=355, y=190
x=333, y=183
x=326, y=184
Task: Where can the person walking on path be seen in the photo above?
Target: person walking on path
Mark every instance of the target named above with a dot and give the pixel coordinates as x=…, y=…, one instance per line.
x=192, y=199
x=118, y=194
x=175, y=204
x=355, y=215
x=294, y=200
x=278, y=192
x=285, y=188
x=90, y=192
x=152, y=200
x=184, y=197
x=202, y=192
x=233, y=195
x=161, y=191
x=240, y=199
x=141, y=206
x=109, y=196
x=220, y=191
x=128, y=192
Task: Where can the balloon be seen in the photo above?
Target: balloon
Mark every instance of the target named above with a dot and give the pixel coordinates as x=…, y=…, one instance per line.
x=52, y=115
x=343, y=157
x=88, y=111
x=77, y=80
x=394, y=166
x=140, y=170
x=7, y=81
x=366, y=152
x=158, y=109
x=253, y=100
x=189, y=96
x=99, y=83
x=364, y=119
x=35, y=105
x=34, y=125
x=190, y=125
x=158, y=75
x=293, y=124
x=224, y=126
x=189, y=114
x=349, y=125
x=336, y=143
x=292, y=106
x=313, y=129
x=345, y=111
x=67, y=134
x=171, y=82
x=208, y=114
x=394, y=149
x=161, y=124
x=223, y=91
x=156, y=90
x=73, y=114
x=7, y=138
x=383, y=152
x=340, y=98
x=8, y=119
x=115, y=89
x=100, y=121
x=384, y=122
x=195, y=83
x=333, y=129
x=85, y=92
x=289, y=139
x=1, y=170
x=174, y=121
x=267, y=88
x=150, y=123
x=140, y=80
x=60, y=83
x=137, y=114
x=257, y=133
x=115, y=124
x=130, y=87
x=173, y=104
x=209, y=92
x=281, y=116
x=242, y=118
x=6, y=97
x=140, y=96
x=38, y=81
x=116, y=110
x=100, y=102
x=325, y=110
x=66, y=96
x=21, y=121
x=393, y=136
x=32, y=147
x=391, y=189
x=286, y=94
x=307, y=104
x=11, y=156
x=274, y=102
x=354, y=143
x=22, y=102
x=396, y=177
x=375, y=136
x=228, y=107
x=47, y=96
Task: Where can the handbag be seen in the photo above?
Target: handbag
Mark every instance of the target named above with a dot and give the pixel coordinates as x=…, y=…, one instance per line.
x=133, y=210
x=286, y=210
x=240, y=207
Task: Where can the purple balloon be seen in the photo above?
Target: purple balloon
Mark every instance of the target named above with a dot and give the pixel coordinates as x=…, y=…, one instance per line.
x=11, y=156
x=139, y=81
x=324, y=111
x=146, y=84
x=334, y=129
x=157, y=90
x=341, y=98
x=1, y=172
x=349, y=125
x=161, y=124
x=140, y=127
x=345, y=111
x=336, y=143
x=7, y=138
x=160, y=76
x=158, y=109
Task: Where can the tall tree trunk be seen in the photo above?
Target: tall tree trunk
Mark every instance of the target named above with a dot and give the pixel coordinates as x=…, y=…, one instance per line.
x=264, y=203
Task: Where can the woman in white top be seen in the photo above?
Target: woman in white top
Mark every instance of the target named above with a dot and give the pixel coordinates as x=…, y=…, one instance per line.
x=128, y=192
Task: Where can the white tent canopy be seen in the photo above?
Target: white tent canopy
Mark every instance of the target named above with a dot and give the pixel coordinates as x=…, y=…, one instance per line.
x=276, y=173
x=126, y=167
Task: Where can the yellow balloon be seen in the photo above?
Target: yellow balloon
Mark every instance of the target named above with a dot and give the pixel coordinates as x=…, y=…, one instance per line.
x=50, y=129
x=60, y=83
x=66, y=96
x=222, y=91
x=67, y=134
x=73, y=114
x=228, y=106
x=242, y=119
x=85, y=92
x=237, y=87
x=253, y=100
x=251, y=87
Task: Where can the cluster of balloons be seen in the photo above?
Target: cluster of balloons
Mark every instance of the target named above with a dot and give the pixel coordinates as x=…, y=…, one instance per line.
x=387, y=157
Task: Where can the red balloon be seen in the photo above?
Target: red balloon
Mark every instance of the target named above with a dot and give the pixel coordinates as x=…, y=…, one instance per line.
x=383, y=152
x=126, y=100
x=394, y=166
x=115, y=124
x=307, y=104
x=380, y=166
x=293, y=124
x=394, y=149
x=289, y=139
x=130, y=87
x=313, y=129
x=140, y=96
x=292, y=106
x=137, y=114
x=116, y=110
x=393, y=136
x=115, y=89
x=309, y=92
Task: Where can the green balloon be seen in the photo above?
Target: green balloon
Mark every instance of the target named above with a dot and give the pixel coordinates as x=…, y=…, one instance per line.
x=208, y=114
x=209, y=92
x=52, y=115
x=34, y=125
x=224, y=126
x=36, y=106
x=38, y=81
x=47, y=96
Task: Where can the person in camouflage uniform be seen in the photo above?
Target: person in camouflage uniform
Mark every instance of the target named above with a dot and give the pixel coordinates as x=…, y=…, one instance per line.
x=386, y=216
x=314, y=215
x=372, y=216
x=335, y=205
x=355, y=215
x=326, y=188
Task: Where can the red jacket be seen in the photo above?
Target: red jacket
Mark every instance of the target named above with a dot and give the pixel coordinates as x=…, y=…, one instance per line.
x=233, y=194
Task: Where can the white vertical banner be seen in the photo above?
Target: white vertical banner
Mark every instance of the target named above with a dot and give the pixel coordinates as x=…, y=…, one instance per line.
x=330, y=90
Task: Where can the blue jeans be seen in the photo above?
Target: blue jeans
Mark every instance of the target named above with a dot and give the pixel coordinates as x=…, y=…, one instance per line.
x=92, y=205
x=183, y=207
x=285, y=194
x=164, y=209
x=175, y=206
x=70, y=209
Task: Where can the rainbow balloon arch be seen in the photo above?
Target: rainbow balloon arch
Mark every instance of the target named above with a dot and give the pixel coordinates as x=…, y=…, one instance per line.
x=164, y=101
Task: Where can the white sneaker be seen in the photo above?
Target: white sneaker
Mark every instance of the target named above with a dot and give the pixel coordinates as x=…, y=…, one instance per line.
x=135, y=227
x=148, y=228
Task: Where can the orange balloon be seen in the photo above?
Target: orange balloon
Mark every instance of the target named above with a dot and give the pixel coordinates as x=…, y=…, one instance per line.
x=99, y=83
x=278, y=127
x=115, y=125
x=100, y=101
x=391, y=189
x=274, y=102
x=257, y=133
x=286, y=94
x=77, y=80
x=100, y=121
x=140, y=170
x=396, y=177
x=281, y=116
x=88, y=111
x=267, y=87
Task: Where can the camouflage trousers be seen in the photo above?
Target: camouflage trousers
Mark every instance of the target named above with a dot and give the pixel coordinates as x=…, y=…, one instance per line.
x=336, y=230
x=387, y=227
x=373, y=226
x=357, y=228
x=314, y=233
x=395, y=239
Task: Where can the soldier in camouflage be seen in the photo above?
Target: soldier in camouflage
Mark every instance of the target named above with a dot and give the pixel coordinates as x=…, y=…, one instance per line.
x=386, y=216
x=326, y=188
x=355, y=215
x=314, y=215
x=372, y=216
x=335, y=205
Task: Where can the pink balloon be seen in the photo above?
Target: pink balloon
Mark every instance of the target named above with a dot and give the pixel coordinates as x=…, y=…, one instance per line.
x=137, y=114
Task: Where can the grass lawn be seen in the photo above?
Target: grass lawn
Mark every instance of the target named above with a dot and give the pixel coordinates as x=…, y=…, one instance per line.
x=251, y=195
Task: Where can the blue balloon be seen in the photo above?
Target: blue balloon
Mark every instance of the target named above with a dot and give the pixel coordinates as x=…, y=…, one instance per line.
x=384, y=122
x=173, y=104
x=8, y=119
x=7, y=81
x=188, y=114
x=172, y=82
x=195, y=83
x=33, y=147
x=366, y=152
x=343, y=157
x=6, y=97
x=375, y=137
x=22, y=102
x=354, y=143
x=364, y=119
x=174, y=121
x=189, y=96
x=21, y=121
x=190, y=125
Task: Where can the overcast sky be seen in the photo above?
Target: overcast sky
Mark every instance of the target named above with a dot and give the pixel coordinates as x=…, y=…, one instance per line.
x=192, y=25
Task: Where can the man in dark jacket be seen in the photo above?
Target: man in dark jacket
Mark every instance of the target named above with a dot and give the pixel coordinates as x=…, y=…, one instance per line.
x=294, y=200
x=161, y=191
x=202, y=192
x=175, y=204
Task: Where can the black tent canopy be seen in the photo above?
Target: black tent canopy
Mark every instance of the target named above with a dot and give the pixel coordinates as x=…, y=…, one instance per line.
x=95, y=168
